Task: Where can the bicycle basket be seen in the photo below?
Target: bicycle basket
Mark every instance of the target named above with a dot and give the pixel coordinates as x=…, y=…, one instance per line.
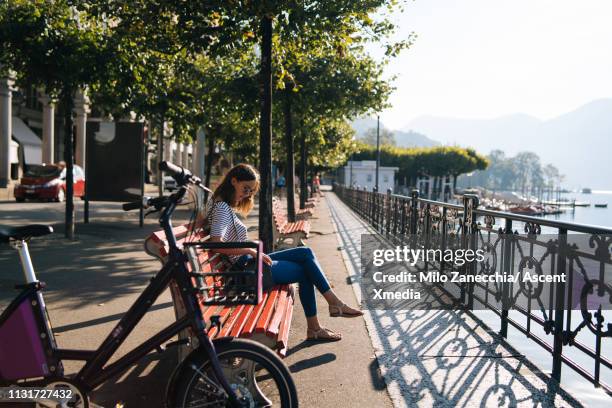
x=22, y=354
x=217, y=280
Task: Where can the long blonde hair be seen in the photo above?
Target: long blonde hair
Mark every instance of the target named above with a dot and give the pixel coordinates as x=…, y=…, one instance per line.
x=225, y=190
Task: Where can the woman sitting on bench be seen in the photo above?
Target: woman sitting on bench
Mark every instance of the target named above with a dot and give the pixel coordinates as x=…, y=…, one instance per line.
x=236, y=194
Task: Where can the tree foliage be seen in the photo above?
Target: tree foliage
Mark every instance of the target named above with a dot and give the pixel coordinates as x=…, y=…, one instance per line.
x=386, y=137
x=523, y=172
x=425, y=161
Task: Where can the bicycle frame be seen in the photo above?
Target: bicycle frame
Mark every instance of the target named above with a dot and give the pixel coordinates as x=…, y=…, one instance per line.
x=94, y=372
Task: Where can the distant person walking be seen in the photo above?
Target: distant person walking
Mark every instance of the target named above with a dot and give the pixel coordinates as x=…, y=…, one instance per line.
x=316, y=183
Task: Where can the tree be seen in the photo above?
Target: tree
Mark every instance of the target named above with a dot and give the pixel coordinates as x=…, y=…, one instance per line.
x=436, y=161
x=55, y=46
x=386, y=137
x=333, y=24
x=522, y=172
x=184, y=72
x=334, y=88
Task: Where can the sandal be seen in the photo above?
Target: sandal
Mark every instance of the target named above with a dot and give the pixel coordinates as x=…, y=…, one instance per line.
x=338, y=311
x=322, y=334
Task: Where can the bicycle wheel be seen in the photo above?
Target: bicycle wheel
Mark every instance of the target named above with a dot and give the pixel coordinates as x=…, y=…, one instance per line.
x=257, y=376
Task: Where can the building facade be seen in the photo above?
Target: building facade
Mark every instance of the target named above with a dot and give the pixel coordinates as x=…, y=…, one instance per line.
x=363, y=174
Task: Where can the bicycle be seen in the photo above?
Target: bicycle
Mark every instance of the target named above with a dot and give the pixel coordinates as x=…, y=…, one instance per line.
x=224, y=372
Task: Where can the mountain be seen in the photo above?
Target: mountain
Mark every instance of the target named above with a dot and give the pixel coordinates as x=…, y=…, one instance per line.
x=362, y=125
x=413, y=139
x=578, y=143
x=408, y=138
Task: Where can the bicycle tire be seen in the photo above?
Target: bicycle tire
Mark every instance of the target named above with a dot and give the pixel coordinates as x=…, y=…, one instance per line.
x=187, y=377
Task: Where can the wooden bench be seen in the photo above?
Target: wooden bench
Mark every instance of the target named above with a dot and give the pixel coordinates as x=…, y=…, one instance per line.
x=301, y=214
x=268, y=322
x=310, y=203
x=287, y=234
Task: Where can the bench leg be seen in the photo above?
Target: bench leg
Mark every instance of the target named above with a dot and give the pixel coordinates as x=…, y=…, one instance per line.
x=295, y=240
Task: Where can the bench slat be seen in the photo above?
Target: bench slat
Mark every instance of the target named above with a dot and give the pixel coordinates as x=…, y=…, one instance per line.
x=283, y=333
x=209, y=311
x=244, y=316
x=268, y=312
x=279, y=312
x=225, y=312
x=231, y=321
x=249, y=327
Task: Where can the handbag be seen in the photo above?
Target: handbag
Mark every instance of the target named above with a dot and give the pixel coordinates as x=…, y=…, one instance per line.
x=250, y=264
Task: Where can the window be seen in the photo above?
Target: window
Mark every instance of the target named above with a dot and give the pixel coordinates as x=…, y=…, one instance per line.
x=386, y=178
x=369, y=178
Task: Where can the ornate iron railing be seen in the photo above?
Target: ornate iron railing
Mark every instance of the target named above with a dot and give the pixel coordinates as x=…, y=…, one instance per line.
x=582, y=252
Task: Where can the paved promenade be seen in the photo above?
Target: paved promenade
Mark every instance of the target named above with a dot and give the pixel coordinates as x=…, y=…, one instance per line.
x=443, y=358
x=426, y=358
x=93, y=280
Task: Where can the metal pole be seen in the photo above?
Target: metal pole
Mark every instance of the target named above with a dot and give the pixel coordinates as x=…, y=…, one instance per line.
x=507, y=268
x=559, y=306
x=160, y=155
x=377, y=148
x=6, y=130
x=144, y=139
x=351, y=175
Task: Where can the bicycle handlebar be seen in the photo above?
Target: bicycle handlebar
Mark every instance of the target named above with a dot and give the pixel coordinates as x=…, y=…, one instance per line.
x=146, y=202
x=180, y=174
x=135, y=205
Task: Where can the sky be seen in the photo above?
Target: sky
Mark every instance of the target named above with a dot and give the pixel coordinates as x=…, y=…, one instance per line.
x=489, y=58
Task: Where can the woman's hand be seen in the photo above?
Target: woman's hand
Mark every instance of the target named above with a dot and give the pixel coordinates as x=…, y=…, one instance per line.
x=267, y=260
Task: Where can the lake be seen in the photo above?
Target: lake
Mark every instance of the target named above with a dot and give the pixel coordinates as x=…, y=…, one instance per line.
x=587, y=215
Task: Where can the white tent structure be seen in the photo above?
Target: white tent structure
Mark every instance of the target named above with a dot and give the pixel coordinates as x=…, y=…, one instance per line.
x=29, y=142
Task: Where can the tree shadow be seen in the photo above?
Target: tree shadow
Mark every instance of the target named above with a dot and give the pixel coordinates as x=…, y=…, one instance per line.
x=106, y=260
x=141, y=385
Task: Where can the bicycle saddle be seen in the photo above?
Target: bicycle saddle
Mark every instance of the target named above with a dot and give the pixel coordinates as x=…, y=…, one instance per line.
x=25, y=232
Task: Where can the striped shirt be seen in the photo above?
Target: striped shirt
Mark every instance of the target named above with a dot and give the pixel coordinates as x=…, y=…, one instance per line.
x=225, y=224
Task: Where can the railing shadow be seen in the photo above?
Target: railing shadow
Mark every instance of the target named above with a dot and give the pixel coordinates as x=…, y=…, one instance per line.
x=447, y=357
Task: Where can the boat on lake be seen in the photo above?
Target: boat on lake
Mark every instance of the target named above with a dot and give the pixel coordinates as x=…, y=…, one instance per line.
x=602, y=205
x=567, y=203
x=535, y=209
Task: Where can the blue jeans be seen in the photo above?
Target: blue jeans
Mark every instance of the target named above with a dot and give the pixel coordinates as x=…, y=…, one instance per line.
x=300, y=265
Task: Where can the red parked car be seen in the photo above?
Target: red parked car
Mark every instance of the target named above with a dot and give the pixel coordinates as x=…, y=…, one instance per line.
x=48, y=182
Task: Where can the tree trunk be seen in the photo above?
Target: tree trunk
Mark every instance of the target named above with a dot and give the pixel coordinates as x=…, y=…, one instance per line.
x=160, y=155
x=209, y=163
x=265, y=137
x=290, y=167
x=303, y=189
x=67, y=97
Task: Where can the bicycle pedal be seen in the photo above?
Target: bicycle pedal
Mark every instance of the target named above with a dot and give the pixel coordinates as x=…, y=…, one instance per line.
x=215, y=320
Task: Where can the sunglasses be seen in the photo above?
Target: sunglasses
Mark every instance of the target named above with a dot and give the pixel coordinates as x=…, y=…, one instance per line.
x=247, y=190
